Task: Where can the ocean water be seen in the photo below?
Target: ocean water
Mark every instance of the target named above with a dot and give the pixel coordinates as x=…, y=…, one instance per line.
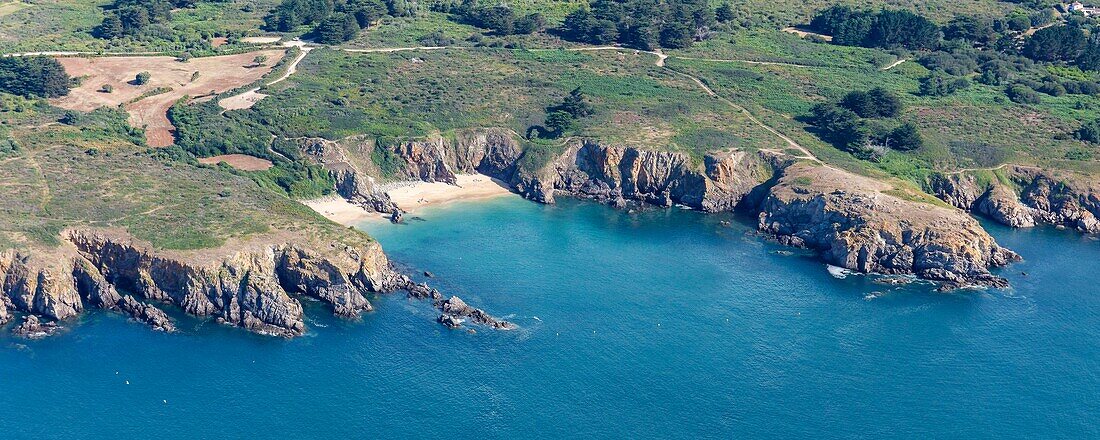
x=658, y=324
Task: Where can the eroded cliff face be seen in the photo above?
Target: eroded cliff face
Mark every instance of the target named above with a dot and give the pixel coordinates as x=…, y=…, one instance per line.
x=253, y=284
x=616, y=174
x=353, y=182
x=851, y=220
x=1026, y=197
x=855, y=224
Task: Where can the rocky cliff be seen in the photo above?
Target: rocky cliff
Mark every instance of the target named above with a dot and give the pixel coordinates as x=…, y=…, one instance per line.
x=852, y=221
x=855, y=223
x=1021, y=197
x=252, y=283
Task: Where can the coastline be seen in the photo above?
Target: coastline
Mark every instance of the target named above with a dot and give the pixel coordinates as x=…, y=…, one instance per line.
x=410, y=197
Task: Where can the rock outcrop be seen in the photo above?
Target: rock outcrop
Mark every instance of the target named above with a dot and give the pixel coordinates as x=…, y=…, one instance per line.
x=251, y=283
x=33, y=328
x=352, y=182
x=613, y=174
x=1023, y=197
x=853, y=223
x=453, y=309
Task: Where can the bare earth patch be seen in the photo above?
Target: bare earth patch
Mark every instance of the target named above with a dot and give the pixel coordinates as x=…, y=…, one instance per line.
x=242, y=101
x=214, y=75
x=261, y=40
x=242, y=162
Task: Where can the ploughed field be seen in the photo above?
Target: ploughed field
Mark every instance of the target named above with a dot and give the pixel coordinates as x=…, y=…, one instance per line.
x=170, y=80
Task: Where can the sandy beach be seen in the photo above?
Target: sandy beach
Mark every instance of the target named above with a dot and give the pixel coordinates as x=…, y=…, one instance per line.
x=410, y=197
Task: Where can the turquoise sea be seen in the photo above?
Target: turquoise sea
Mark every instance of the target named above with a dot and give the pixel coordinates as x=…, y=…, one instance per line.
x=658, y=324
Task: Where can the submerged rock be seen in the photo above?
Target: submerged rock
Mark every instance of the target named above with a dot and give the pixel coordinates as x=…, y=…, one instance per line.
x=456, y=308
x=449, y=321
x=33, y=328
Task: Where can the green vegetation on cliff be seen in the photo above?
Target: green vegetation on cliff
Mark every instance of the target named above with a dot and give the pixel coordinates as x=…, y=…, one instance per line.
x=93, y=171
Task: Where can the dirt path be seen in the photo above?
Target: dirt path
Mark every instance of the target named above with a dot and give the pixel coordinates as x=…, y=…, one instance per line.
x=968, y=170
x=250, y=97
x=895, y=64
x=660, y=63
x=806, y=154
x=401, y=49
x=805, y=33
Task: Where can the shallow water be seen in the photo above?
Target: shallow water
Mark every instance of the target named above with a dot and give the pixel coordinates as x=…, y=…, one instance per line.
x=661, y=324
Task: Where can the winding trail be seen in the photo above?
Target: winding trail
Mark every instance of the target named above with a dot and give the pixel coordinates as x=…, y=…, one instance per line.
x=967, y=170
x=250, y=97
x=895, y=64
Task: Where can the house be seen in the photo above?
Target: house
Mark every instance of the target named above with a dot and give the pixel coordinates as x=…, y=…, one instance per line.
x=1081, y=8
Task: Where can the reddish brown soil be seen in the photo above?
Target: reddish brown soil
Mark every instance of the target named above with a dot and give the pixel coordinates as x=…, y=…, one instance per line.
x=215, y=75
x=239, y=161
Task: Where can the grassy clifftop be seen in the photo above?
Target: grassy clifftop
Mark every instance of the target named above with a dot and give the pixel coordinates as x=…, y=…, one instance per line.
x=415, y=94
x=91, y=173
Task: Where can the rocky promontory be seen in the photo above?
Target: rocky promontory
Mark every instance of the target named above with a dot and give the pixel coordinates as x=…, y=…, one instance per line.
x=856, y=223
x=251, y=283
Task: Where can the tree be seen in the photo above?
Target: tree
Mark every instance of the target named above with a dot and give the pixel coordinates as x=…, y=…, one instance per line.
x=70, y=117
x=336, y=29
x=905, y=138
x=1022, y=94
x=529, y=24
x=887, y=104
x=840, y=126
x=1089, y=59
x=1056, y=43
x=558, y=122
x=640, y=24
x=575, y=104
x=110, y=29
x=875, y=103
x=939, y=84
x=903, y=29
x=972, y=29
x=260, y=60
x=184, y=57
x=604, y=32
x=675, y=36
x=34, y=76
x=849, y=27
x=860, y=103
x=499, y=19
x=578, y=25
x=133, y=19
x=1089, y=132
x=1018, y=23
x=142, y=78
x=106, y=88
x=367, y=11
x=724, y=13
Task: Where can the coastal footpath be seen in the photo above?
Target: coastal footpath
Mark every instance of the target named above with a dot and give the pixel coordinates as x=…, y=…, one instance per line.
x=853, y=222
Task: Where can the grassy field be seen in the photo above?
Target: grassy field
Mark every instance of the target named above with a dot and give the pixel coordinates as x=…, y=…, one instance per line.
x=976, y=127
x=782, y=13
x=93, y=174
x=416, y=94
x=66, y=25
